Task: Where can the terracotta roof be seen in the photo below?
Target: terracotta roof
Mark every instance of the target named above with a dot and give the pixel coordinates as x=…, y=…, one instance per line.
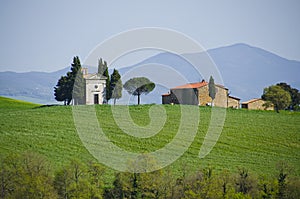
x=252, y=100
x=192, y=85
x=196, y=85
x=167, y=94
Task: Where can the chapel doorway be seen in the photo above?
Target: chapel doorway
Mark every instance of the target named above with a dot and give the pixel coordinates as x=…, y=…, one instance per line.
x=96, y=98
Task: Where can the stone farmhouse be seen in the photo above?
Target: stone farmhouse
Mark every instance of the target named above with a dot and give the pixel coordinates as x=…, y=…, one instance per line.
x=198, y=94
x=95, y=88
x=256, y=104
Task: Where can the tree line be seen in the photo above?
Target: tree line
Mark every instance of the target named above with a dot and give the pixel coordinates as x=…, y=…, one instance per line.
x=30, y=175
x=72, y=85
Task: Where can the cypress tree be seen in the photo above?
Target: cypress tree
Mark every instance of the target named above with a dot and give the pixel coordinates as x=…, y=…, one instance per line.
x=106, y=74
x=101, y=67
x=79, y=89
x=116, y=86
x=212, y=89
x=60, y=90
x=103, y=71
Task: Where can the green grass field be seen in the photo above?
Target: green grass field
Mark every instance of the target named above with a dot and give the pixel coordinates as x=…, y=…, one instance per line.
x=256, y=140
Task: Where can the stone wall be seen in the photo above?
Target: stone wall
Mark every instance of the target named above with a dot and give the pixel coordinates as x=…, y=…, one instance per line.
x=258, y=105
x=233, y=103
x=220, y=99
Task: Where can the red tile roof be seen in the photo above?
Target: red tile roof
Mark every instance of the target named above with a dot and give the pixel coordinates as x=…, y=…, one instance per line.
x=196, y=85
x=192, y=85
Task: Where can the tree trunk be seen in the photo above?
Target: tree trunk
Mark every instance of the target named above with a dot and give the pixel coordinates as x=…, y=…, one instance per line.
x=69, y=101
x=115, y=99
x=139, y=100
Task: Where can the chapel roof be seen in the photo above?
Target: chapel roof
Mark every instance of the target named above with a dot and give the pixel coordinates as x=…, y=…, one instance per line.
x=93, y=76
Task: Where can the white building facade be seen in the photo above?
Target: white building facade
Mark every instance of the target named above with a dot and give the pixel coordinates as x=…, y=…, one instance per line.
x=95, y=88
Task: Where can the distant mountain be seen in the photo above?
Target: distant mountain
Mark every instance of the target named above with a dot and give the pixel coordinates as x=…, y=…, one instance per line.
x=32, y=86
x=245, y=70
x=37, y=87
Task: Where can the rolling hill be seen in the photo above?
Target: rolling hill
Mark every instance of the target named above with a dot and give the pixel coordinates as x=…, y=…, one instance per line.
x=31, y=86
x=255, y=140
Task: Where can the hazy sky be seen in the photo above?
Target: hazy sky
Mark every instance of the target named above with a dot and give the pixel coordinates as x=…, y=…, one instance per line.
x=44, y=35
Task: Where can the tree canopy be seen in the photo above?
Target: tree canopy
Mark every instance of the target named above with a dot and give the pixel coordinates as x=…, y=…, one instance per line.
x=294, y=93
x=277, y=96
x=64, y=88
x=31, y=175
x=138, y=86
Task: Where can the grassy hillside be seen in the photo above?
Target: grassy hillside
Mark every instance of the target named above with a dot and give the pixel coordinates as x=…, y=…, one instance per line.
x=256, y=140
x=12, y=104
